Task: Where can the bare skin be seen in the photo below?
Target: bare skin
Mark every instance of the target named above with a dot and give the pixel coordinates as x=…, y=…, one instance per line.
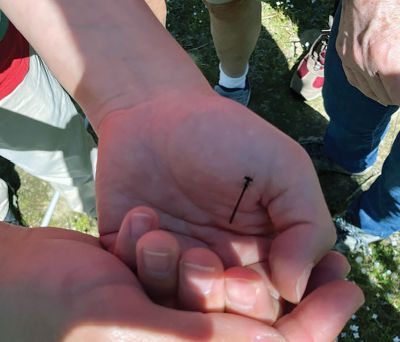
x=167, y=141
x=369, y=45
x=159, y=9
x=173, y=164
x=235, y=28
x=73, y=290
x=165, y=267
x=282, y=219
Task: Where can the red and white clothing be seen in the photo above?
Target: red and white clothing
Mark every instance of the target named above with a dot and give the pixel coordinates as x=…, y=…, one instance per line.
x=41, y=131
x=14, y=59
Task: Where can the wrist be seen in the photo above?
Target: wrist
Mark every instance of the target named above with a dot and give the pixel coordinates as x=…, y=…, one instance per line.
x=164, y=102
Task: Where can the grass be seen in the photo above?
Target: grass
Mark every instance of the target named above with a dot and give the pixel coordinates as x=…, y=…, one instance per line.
x=287, y=27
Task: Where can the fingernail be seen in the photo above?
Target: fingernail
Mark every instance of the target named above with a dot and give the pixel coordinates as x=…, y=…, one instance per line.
x=241, y=294
x=274, y=293
x=277, y=307
x=157, y=264
x=269, y=337
x=139, y=224
x=201, y=277
x=302, y=282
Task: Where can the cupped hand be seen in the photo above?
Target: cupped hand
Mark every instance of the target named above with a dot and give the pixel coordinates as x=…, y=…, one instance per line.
x=195, y=279
x=186, y=156
x=368, y=43
x=60, y=285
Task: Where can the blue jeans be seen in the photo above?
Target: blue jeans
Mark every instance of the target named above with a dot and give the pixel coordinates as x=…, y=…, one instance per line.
x=357, y=126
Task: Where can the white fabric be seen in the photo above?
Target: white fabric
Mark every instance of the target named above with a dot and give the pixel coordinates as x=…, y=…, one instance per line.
x=4, y=205
x=232, y=82
x=42, y=132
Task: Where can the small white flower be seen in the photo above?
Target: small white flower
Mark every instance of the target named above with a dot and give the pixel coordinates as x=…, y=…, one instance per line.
x=306, y=44
x=354, y=327
x=364, y=271
x=376, y=264
x=367, y=308
x=356, y=335
x=374, y=316
x=396, y=339
x=359, y=259
x=344, y=334
x=388, y=272
x=353, y=317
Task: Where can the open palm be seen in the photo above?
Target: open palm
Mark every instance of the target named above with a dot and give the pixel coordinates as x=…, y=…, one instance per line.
x=187, y=158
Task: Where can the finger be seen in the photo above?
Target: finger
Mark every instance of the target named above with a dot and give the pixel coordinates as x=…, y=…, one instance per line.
x=305, y=227
x=175, y=326
x=263, y=270
x=201, y=281
x=372, y=87
x=9, y=231
x=242, y=249
x=376, y=85
x=247, y=295
x=294, y=254
x=322, y=315
x=391, y=83
x=157, y=256
x=136, y=223
x=333, y=266
x=58, y=233
x=358, y=81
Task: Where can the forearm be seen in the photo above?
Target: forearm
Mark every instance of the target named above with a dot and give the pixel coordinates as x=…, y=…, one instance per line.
x=107, y=55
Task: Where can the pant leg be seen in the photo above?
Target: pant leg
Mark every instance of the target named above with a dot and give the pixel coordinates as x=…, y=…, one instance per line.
x=357, y=126
x=42, y=132
x=357, y=123
x=378, y=209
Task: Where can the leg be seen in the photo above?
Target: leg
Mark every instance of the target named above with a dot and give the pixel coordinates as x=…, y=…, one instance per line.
x=159, y=9
x=42, y=132
x=357, y=126
x=378, y=209
x=235, y=27
x=357, y=123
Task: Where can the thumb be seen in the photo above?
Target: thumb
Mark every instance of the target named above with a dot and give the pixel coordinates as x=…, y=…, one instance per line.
x=136, y=223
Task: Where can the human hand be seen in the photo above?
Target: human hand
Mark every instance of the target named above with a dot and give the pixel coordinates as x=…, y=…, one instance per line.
x=195, y=278
x=368, y=43
x=186, y=157
x=61, y=285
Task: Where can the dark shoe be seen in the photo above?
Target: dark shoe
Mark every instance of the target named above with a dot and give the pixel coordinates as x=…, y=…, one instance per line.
x=240, y=95
x=10, y=176
x=351, y=238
